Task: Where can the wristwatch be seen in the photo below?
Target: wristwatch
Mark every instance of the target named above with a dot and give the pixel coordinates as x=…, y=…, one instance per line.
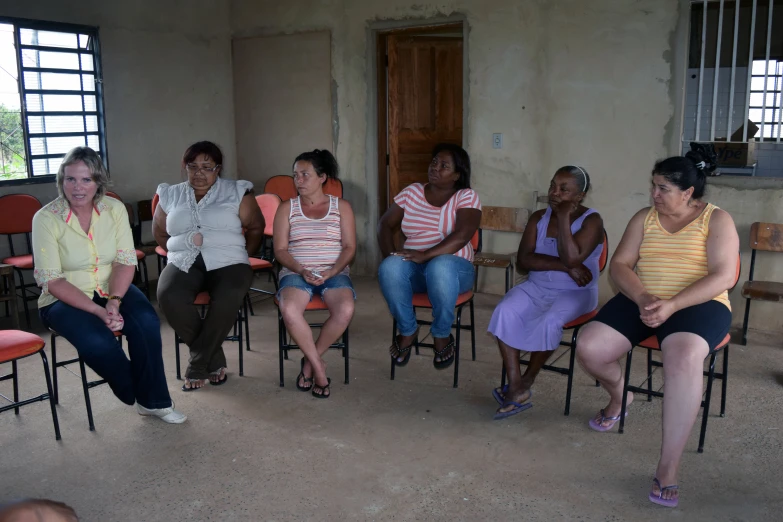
x=115, y=298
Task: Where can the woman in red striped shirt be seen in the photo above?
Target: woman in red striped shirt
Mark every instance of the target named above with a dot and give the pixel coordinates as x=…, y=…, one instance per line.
x=438, y=220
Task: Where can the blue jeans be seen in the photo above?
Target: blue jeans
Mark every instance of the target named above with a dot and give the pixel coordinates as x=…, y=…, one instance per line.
x=297, y=281
x=140, y=379
x=443, y=278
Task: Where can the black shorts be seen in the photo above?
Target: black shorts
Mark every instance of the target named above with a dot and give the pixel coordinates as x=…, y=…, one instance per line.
x=710, y=321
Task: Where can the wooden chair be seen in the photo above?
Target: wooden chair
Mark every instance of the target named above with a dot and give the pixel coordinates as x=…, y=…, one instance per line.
x=423, y=301
x=316, y=304
x=15, y=345
x=651, y=344
x=499, y=219
x=766, y=237
x=574, y=325
x=283, y=186
x=16, y=217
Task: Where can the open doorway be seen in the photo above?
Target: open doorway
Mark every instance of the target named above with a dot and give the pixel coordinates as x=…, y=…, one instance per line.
x=420, y=101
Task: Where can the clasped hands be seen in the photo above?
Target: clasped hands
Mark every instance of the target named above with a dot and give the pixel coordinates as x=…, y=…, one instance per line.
x=110, y=315
x=654, y=311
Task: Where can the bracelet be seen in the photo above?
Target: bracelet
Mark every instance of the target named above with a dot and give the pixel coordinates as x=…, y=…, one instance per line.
x=115, y=298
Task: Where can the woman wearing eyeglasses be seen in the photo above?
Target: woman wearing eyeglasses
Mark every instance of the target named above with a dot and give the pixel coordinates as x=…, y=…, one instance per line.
x=200, y=223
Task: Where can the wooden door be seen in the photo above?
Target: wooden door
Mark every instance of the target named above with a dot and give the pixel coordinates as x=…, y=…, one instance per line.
x=424, y=104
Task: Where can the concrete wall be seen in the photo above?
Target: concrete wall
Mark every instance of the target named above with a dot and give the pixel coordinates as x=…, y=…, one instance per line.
x=599, y=84
x=167, y=83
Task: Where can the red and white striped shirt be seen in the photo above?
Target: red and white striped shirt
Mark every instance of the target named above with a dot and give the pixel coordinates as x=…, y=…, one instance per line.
x=425, y=226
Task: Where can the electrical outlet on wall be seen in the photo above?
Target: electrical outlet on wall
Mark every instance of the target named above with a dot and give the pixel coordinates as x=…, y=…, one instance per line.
x=497, y=141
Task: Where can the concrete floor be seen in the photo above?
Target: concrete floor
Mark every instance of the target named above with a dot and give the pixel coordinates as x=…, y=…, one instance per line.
x=411, y=449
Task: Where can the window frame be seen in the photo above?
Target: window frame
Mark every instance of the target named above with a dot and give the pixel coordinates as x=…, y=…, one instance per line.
x=41, y=25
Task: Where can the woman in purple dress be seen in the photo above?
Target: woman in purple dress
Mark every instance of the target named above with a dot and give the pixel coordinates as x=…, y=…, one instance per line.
x=560, y=249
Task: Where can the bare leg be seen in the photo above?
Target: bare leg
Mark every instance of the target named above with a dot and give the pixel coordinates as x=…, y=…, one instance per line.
x=341, y=306
x=599, y=349
x=683, y=364
x=293, y=302
x=519, y=385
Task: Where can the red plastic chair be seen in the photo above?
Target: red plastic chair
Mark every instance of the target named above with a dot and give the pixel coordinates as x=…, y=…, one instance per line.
x=574, y=325
x=315, y=304
x=333, y=187
x=203, y=300
x=16, y=217
x=651, y=344
x=15, y=345
x=141, y=267
x=421, y=300
x=282, y=186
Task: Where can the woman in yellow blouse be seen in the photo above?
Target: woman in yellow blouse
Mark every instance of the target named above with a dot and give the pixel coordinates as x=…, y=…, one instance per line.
x=673, y=266
x=84, y=263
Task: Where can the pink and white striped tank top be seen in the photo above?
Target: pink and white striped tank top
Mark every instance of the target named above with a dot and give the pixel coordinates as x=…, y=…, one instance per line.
x=424, y=226
x=315, y=243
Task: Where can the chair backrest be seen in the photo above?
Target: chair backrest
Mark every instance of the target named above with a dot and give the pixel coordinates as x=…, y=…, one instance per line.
x=474, y=241
x=16, y=213
x=268, y=204
x=333, y=187
x=113, y=195
x=155, y=201
x=604, y=253
x=282, y=186
x=766, y=236
x=739, y=267
x=504, y=219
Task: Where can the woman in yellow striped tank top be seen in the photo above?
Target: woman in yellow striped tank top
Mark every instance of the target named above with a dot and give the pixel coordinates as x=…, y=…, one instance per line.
x=673, y=266
x=315, y=241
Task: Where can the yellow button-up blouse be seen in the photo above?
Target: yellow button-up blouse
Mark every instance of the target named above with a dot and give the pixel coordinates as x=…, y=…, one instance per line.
x=61, y=249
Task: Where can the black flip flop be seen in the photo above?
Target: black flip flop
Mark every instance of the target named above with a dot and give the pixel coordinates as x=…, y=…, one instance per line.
x=443, y=364
x=220, y=381
x=305, y=379
x=186, y=389
x=322, y=389
x=406, y=350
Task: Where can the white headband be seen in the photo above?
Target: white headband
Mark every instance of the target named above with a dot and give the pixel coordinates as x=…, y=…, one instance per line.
x=584, y=176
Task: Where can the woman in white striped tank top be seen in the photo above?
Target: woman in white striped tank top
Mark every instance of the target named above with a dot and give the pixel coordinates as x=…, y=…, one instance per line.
x=315, y=240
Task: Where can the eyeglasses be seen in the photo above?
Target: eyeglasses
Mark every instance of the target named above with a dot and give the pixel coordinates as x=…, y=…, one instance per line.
x=195, y=169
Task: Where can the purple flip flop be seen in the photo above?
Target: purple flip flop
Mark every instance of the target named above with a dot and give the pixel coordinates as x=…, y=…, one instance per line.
x=598, y=426
x=666, y=502
x=497, y=395
x=518, y=408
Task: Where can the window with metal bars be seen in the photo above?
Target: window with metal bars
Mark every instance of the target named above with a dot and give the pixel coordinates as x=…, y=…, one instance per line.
x=50, y=97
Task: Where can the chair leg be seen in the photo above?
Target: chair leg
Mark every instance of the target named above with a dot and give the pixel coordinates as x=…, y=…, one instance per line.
x=394, y=336
x=745, y=323
x=55, y=421
x=503, y=376
x=24, y=299
x=724, y=380
x=238, y=327
x=571, y=361
x=176, y=355
x=472, y=331
x=649, y=376
x=245, y=307
x=456, y=347
x=346, y=354
x=706, y=414
x=52, y=341
x=475, y=279
x=280, y=343
x=145, y=278
x=625, y=388
x=86, y=395
x=15, y=380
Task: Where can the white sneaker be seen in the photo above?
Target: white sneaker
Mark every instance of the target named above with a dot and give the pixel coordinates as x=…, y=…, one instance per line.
x=169, y=414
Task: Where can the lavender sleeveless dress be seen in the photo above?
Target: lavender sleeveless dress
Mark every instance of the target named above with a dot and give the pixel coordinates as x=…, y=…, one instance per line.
x=532, y=314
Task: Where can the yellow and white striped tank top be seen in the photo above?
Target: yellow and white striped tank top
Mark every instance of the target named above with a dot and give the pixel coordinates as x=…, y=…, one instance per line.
x=668, y=263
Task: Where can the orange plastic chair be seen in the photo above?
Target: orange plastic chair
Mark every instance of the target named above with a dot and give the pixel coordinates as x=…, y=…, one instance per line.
x=651, y=344
x=333, y=187
x=86, y=385
x=203, y=300
x=282, y=186
x=161, y=253
x=15, y=345
x=316, y=304
x=141, y=268
x=421, y=300
x=16, y=217
x=574, y=325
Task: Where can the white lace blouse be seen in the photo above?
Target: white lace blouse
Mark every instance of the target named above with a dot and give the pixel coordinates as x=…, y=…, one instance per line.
x=216, y=217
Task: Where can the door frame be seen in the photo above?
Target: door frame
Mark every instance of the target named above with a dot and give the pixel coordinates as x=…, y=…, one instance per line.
x=375, y=158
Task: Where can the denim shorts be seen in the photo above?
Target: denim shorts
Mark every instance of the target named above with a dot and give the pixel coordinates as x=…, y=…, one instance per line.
x=297, y=281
